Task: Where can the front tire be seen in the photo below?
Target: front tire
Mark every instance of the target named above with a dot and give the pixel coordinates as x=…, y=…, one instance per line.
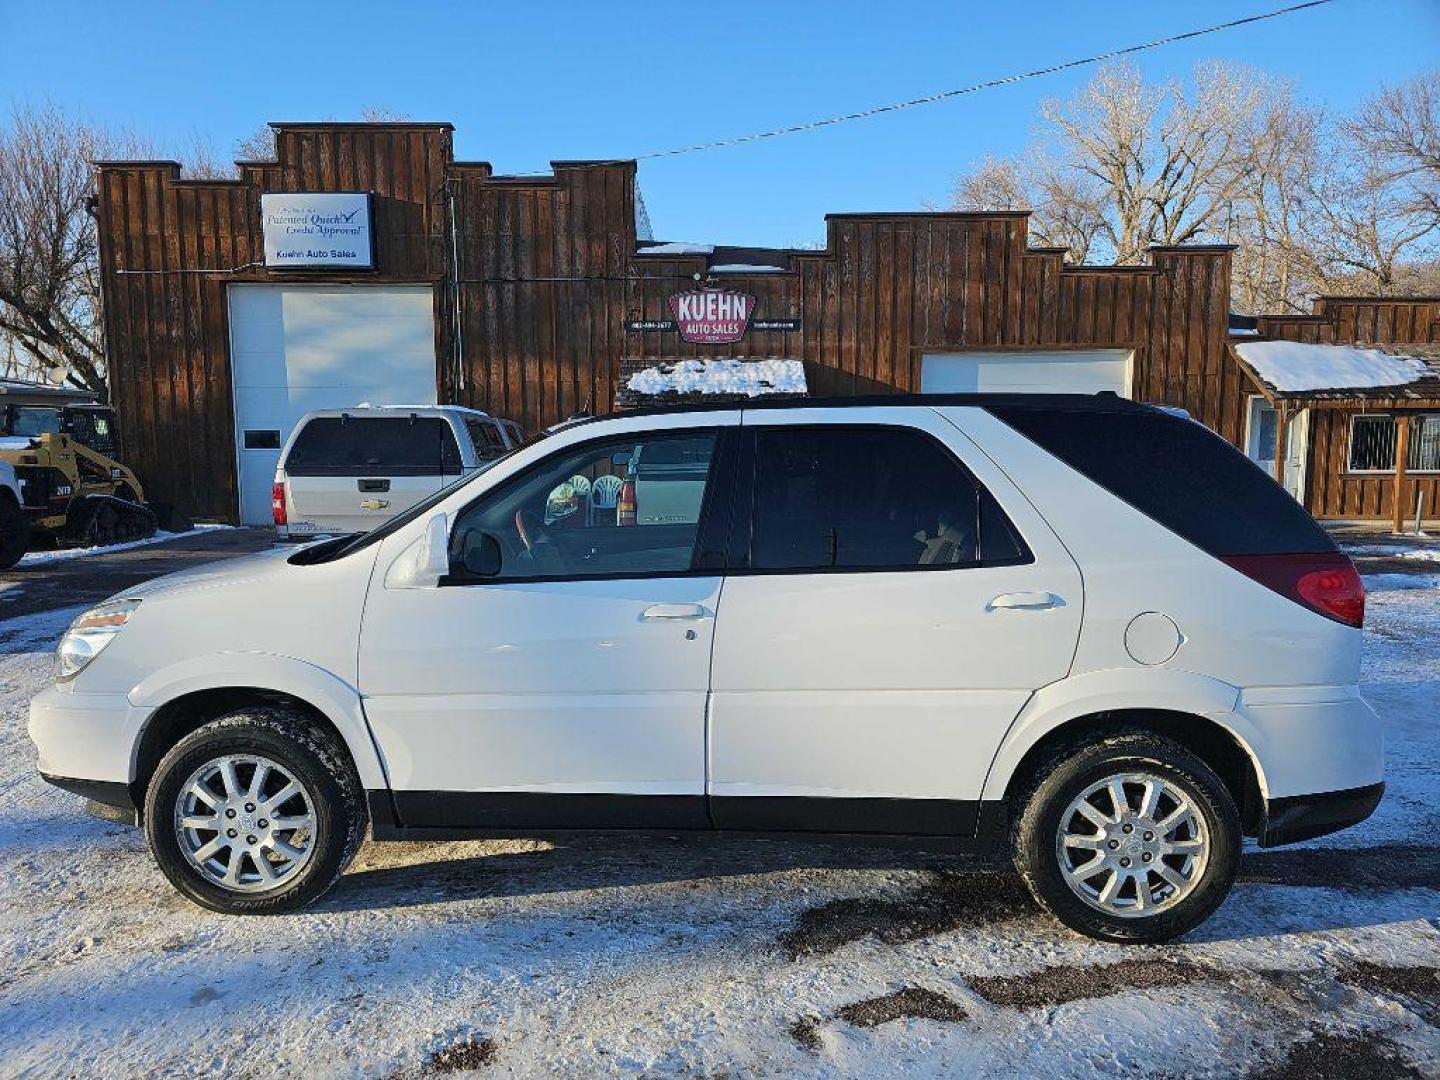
x=1131, y=839
x=256, y=813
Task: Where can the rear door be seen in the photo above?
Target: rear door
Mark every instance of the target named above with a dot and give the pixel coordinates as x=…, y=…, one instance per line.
x=892, y=602
x=350, y=473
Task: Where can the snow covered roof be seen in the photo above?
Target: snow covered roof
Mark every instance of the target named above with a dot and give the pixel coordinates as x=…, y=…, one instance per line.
x=702, y=379
x=745, y=268
x=678, y=248
x=1302, y=369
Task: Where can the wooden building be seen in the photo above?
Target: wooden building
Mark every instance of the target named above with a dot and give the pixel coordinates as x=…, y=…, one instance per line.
x=366, y=264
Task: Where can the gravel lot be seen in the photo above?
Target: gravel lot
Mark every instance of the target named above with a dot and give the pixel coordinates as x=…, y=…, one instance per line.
x=704, y=958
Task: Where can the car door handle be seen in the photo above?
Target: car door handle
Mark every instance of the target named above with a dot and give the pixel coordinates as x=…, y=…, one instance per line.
x=1025, y=601
x=675, y=611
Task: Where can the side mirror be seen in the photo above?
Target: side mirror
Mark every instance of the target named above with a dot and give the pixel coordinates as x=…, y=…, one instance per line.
x=480, y=555
x=426, y=561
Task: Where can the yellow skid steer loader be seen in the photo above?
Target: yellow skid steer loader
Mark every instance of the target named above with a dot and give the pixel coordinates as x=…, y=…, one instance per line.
x=73, y=491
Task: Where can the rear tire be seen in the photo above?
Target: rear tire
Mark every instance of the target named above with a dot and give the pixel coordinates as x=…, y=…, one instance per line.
x=242, y=847
x=1183, y=850
x=14, y=532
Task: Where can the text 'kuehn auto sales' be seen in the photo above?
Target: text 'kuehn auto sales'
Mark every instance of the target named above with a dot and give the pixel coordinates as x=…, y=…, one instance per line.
x=365, y=264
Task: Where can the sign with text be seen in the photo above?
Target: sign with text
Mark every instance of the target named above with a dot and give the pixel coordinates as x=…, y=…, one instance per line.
x=712, y=316
x=317, y=230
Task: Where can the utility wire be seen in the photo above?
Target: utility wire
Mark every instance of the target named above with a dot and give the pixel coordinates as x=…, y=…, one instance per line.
x=945, y=95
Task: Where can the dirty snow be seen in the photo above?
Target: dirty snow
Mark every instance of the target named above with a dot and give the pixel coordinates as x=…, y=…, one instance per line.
x=689, y=957
x=39, y=558
x=1294, y=366
x=750, y=378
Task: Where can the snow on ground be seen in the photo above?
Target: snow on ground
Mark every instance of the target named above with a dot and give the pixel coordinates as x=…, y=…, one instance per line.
x=690, y=958
x=39, y=558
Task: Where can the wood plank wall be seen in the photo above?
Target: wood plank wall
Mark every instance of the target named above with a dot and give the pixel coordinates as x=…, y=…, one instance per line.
x=169, y=247
x=546, y=275
x=1334, y=491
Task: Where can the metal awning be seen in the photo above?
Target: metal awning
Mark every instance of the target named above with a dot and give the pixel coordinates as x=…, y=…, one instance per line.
x=1302, y=374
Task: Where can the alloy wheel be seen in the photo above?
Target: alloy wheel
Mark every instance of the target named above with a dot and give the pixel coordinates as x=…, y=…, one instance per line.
x=1132, y=845
x=245, y=822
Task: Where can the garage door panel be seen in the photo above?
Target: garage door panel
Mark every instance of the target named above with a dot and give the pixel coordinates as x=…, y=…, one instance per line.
x=300, y=347
x=1077, y=371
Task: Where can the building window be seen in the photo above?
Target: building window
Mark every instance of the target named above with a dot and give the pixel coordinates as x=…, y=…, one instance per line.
x=1373, y=438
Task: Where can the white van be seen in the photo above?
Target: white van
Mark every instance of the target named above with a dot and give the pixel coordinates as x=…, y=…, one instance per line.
x=348, y=470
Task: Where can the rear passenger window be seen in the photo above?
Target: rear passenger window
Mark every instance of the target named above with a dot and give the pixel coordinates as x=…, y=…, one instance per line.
x=1177, y=472
x=374, y=446
x=871, y=498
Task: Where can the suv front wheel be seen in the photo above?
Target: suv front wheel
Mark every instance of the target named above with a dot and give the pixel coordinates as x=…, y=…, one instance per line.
x=258, y=812
x=1132, y=839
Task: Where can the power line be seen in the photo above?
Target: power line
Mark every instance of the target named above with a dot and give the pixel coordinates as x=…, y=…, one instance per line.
x=945, y=95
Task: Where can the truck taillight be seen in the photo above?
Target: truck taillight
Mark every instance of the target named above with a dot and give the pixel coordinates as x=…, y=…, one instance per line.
x=625, y=508
x=277, y=502
x=1326, y=583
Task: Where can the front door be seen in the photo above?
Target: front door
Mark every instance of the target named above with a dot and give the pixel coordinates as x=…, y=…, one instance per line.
x=1262, y=431
x=892, y=604
x=567, y=690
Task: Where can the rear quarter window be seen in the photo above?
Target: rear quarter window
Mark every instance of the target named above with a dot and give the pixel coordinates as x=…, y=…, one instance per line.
x=374, y=446
x=1177, y=472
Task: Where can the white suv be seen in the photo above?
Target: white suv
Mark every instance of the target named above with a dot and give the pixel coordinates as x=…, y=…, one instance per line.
x=348, y=470
x=1079, y=629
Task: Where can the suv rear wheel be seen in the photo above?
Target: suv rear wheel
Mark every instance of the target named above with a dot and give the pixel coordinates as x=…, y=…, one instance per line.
x=1131, y=839
x=258, y=812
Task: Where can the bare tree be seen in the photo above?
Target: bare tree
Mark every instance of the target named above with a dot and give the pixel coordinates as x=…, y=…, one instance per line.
x=1314, y=206
x=259, y=145
x=1400, y=130
x=49, y=255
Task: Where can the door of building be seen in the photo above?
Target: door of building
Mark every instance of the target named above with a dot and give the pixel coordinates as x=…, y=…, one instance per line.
x=294, y=348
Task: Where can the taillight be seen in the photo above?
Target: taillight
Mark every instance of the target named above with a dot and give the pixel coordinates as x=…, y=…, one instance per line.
x=277, y=502
x=1325, y=583
x=625, y=506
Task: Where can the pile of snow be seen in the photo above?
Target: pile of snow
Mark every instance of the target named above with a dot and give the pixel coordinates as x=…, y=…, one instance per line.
x=748, y=378
x=676, y=249
x=1291, y=366
x=35, y=558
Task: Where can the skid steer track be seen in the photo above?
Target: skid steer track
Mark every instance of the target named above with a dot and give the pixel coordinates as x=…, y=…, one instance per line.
x=97, y=520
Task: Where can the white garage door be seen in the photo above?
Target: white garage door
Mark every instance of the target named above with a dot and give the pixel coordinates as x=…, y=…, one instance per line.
x=299, y=347
x=1063, y=371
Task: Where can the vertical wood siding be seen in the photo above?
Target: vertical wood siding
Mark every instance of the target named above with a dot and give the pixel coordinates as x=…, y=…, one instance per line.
x=1334, y=491
x=546, y=275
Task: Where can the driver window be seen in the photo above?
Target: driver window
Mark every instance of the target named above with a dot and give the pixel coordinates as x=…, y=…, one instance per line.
x=619, y=506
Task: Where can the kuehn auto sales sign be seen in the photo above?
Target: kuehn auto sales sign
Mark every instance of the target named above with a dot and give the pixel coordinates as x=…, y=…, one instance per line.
x=712, y=316
x=317, y=229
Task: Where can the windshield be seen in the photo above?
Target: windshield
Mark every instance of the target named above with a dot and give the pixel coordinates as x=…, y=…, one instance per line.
x=325, y=553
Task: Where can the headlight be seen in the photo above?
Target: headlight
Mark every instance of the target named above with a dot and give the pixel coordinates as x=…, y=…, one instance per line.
x=89, y=634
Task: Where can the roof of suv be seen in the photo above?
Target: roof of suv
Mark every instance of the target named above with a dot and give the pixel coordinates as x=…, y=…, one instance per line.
x=1101, y=402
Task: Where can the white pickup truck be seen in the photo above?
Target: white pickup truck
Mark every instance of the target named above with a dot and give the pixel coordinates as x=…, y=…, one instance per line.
x=349, y=470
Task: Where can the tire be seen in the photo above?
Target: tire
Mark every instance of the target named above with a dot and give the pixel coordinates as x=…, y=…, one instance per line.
x=14, y=532
x=293, y=749
x=1200, y=855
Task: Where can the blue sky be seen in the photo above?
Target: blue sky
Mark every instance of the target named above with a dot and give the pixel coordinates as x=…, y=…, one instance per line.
x=525, y=83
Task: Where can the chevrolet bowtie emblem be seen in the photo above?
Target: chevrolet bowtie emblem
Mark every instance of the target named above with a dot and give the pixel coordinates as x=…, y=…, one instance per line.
x=374, y=504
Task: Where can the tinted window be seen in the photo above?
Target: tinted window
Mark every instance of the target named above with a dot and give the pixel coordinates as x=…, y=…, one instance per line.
x=33, y=421
x=486, y=439
x=828, y=498
x=374, y=446
x=1177, y=472
x=594, y=512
